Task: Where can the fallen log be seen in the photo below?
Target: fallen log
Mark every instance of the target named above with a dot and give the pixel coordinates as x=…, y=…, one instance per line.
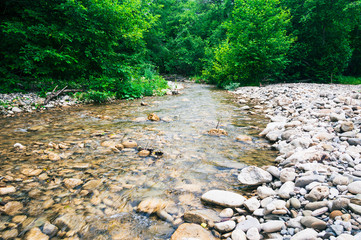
x=55, y=93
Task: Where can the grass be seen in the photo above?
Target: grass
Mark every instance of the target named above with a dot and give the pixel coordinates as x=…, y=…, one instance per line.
x=348, y=80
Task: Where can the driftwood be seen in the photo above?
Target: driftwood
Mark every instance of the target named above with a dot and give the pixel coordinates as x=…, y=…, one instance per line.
x=55, y=93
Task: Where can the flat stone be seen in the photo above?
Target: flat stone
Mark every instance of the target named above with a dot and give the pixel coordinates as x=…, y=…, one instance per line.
x=13, y=208
x=7, y=190
x=254, y=176
x=273, y=226
x=72, y=182
x=93, y=184
x=354, y=141
x=70, y=221
x=354, y=187
x=305, y=180
x=130, y=144
x=355, y=208
x=152, y=205
x=10, y=234
x=244, y=138
x=192, y=231
x=201, y=216
x=36, y=234
x=223, y=198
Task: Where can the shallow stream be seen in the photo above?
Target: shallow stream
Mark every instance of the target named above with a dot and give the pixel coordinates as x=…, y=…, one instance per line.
x=68, y=144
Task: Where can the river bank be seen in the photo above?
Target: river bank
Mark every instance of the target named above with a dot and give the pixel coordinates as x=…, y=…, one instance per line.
x=13, y=104
x=314, y=190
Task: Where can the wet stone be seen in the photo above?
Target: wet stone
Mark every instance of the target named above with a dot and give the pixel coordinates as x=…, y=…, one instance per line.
x=36, y=234
x=7, y=190
x=191, y=231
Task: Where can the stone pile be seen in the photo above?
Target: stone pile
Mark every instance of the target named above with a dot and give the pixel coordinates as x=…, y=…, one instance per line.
x=314, y=192
x=16, y=103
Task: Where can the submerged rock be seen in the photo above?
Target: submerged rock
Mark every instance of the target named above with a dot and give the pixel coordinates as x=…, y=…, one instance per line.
x=192, y=231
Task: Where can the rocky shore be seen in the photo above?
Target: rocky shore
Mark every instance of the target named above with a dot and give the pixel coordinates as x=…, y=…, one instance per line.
x=314, y=189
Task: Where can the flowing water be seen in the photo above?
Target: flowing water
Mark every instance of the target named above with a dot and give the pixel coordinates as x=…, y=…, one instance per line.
x=68, y=144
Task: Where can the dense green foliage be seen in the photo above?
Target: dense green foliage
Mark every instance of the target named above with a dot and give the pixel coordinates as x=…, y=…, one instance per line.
x=115, y=49
x=257, y=44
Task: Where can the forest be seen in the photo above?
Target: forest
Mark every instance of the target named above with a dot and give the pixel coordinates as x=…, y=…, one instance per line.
x=121, y=48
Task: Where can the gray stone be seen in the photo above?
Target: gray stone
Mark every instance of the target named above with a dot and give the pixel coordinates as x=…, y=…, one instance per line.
x=254, y=176
x=247, y=224
x=223, y=198
x=313, y=222
x=274, y=171
x=295, y=203
x=354, y=141
x=305, y=180
x=339, y=203
x=355, y=208
x=70, y=221
x=50, y=229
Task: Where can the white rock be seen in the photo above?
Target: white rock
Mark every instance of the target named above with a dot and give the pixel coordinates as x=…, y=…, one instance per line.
x=253, y=234
x=226, y=213
x=247, y=224
x=272, y=226
x=223, y=198
x=354, y=187
x=264, y=192
x=226, y=226
x=238, y=234
x=288, y=174
x=286, y=189
x=254, y=176
x=252, y=204
x=340, y=180
x=307, y=234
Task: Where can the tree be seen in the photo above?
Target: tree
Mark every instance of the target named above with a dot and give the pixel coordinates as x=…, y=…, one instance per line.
x=257, y=44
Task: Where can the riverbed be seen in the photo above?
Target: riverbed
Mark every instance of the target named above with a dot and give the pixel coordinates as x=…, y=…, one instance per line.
x=68, y=173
